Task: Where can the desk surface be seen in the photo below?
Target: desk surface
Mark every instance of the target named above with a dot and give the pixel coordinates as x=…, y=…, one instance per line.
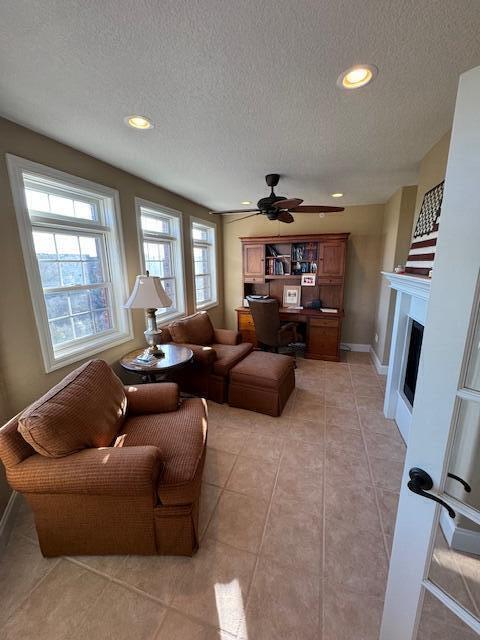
x=301, y=312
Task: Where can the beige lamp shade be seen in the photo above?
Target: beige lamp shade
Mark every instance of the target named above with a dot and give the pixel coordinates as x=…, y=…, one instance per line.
x=148, y=293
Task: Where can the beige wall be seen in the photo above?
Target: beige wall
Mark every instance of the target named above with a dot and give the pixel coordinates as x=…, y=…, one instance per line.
x=364, y=223
x=20, y=356
x=401, y=213
x=432, y=171
x=5, y=490
x=396, y=233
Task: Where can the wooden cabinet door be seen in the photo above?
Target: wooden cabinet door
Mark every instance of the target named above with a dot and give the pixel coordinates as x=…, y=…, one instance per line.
x=323, y=338
x=254, y=261
x=331, y=259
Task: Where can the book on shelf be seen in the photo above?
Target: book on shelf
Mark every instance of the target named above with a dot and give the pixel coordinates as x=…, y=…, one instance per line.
x=328, y=310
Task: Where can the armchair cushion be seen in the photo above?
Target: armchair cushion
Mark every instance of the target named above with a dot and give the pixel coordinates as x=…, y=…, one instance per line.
x=106, y=471
x=180, y=437
x=196, y=329
x=228, y=356
x=86, y=409
x=151, y=398
x=227, y=336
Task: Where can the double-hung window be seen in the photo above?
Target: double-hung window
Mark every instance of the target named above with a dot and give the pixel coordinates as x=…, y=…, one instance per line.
x=160, y=233
x=71, y=238
x=204, y=263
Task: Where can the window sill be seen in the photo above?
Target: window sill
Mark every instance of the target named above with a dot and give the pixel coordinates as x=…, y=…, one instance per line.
x=207, y=305
x=76, y=355
x=163, y=321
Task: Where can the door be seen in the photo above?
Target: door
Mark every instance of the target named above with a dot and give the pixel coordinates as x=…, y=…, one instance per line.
x=253, y=262
x=434, y=581
x=323, y=338
x=331, y=259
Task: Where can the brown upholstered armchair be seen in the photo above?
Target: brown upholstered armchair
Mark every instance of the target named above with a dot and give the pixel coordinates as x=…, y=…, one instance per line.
x=268, y=329
x=215, y=353
x=109, y=469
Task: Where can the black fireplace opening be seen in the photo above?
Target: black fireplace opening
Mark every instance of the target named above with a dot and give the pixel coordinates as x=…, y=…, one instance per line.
x=413, y=359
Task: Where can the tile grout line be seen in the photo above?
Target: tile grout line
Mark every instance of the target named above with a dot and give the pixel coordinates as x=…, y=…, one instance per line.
x=262, y=537
x=222, y=488
x=324, y=511
x=192, y=618
x=22, y=601
x=257, y=555
x=372, y=477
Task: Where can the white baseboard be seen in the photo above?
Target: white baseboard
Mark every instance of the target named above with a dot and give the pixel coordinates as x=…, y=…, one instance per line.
x=351, y=346
x=6, y=522
x=382, y=369
x=459, y=538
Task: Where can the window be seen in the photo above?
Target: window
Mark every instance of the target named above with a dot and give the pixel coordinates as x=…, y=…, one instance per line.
x=160, y=233
x=71, y=240
x=204, y=263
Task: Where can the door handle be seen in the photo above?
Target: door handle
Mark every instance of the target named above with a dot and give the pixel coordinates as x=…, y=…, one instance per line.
x=466, y=486
x=420, y=483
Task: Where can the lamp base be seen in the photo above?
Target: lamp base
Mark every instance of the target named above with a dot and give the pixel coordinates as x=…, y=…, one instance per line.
x=153, y=335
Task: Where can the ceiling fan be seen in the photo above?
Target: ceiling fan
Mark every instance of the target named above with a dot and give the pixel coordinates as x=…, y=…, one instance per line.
x=278, y=207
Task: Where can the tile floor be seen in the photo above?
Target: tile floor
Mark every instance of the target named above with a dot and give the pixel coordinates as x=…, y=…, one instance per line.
x=296, y=522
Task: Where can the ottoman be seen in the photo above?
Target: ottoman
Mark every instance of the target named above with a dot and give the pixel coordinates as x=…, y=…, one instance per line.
x=262, y=382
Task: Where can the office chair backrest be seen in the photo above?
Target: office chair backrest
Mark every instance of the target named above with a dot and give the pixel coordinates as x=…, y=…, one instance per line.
x=266, y=318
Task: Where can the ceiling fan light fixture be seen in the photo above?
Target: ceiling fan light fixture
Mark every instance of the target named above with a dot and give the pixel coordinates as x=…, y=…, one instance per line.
x=337, y=195
x=139, y=122
x=357, y=76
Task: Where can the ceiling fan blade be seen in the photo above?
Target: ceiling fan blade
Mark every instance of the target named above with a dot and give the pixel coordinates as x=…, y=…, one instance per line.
x=244, y=218
x=233, y=211
x=287, y=204
x=285, y=216
x=316, y=209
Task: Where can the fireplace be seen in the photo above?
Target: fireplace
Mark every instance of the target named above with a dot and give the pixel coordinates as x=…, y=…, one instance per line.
x=413, y=359
x=407, y=332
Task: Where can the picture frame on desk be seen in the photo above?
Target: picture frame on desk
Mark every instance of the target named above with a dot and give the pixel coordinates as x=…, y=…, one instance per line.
x=292, y=295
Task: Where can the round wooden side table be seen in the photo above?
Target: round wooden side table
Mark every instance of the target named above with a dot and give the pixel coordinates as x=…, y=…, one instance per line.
x=158, y=369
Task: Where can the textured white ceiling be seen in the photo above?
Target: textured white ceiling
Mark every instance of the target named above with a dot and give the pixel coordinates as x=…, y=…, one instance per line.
x=240, y=88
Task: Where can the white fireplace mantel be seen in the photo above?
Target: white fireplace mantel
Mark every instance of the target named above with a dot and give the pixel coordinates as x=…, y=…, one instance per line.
x=413, y=293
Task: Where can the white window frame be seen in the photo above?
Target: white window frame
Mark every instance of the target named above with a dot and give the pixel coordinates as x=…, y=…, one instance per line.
x=109, y=224
x=212, y=247
x=176, y=245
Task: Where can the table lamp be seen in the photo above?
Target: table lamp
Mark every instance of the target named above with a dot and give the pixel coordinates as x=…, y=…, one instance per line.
x=148, y=293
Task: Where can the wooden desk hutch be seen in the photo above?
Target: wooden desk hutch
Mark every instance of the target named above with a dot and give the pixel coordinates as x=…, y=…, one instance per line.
x=270, y=262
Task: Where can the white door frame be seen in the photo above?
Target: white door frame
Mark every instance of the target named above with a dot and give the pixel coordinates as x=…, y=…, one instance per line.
x=447, y=330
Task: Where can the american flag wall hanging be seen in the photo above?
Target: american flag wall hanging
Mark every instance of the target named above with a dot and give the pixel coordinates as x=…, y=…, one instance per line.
x=424, y=243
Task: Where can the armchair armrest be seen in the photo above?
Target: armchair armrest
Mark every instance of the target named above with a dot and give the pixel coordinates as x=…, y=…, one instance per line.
x=202, y=355
x=112, y=471
x=227, y=336
x=152, y=398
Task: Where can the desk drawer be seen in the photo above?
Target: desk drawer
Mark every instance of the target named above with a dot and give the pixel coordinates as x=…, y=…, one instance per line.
x=324, y=322
x=245, y=321
x=253, y=279
x=329, y=280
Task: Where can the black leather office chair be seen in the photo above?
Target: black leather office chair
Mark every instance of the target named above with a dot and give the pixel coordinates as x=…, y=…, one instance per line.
x=269, y=331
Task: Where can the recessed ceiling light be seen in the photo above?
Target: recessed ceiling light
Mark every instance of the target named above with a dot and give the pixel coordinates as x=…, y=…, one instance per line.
x=357, y=76
x=246, y=202
x=139, y=122
x=337, y=195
